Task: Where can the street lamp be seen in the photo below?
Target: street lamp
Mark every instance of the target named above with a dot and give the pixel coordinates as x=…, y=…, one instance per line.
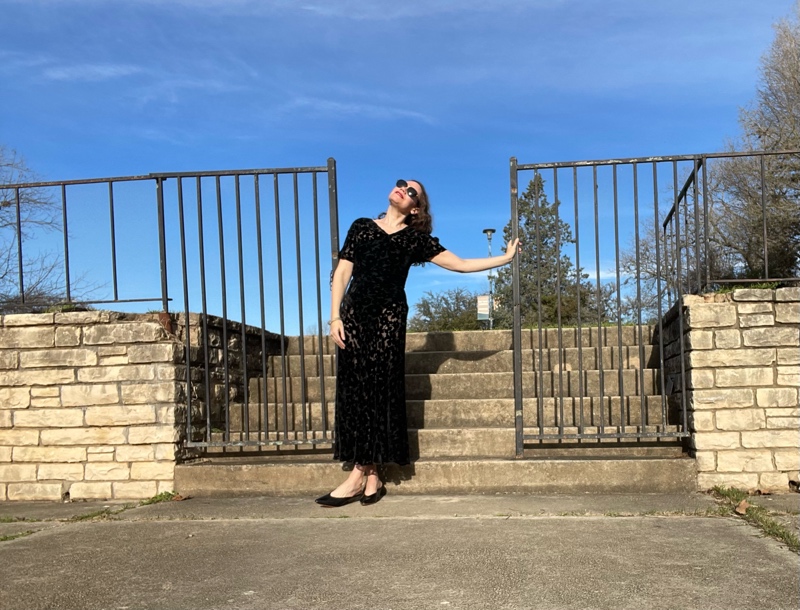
x=489, y=233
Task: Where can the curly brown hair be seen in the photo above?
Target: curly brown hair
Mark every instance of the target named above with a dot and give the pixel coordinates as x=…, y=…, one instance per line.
x=423, y=219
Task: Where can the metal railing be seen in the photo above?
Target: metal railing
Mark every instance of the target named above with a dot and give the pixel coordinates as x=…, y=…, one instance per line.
x=627, y=251
x=243, y=252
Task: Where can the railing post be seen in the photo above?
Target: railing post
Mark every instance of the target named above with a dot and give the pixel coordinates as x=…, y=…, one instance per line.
x=162, y=244
x=333, y=205
x=66, y=242
x=519, y=440
x=20, y=267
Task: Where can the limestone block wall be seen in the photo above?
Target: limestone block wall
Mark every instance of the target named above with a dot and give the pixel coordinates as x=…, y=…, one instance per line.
x=743, y=365
x=90, y=406
x=224, y=356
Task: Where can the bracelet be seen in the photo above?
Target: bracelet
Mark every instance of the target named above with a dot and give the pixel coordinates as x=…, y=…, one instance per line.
x=332, y=320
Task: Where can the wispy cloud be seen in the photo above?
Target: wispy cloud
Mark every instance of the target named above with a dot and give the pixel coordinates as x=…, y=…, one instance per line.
x=361, y=10
x=373, y=111
x=167, y=88
x=90, y=72
x=12, y=62
x=382, y=11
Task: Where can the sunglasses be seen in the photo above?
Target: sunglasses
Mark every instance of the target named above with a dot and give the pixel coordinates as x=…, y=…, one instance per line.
x=410, y=190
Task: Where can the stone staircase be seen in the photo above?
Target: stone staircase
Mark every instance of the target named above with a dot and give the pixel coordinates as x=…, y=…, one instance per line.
x=459, y=390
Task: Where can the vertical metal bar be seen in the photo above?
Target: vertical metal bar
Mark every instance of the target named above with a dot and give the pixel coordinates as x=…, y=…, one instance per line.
x=260, y=257
x=600, y=337
x=162, y=244
x=579, y=290
x=20, y=268
x=245, y=387
x=764, y=216
x=666, y=234
x=558, y=307
x=320, y=338
x=697, y=278
x=113, y=238
x=519, y=441
x=706, y=258
x=642, y=396
x=204, y=308
x=541, y=335
x=656, y=232
x=333, y=210
x=303, y=401
x=66, y=241
x=279, y=260
x=188, y=336
x=676, y=206
x=620, y=371
x=680, y=296
x=224, y=298
x=687, y=285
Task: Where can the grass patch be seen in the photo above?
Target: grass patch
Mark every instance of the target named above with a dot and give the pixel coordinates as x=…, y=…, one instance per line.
x=731, y=494
x=164, y=496
x=760, y=517
x=103, y=513
x=15, y=536
x=10, y=519
x=7, y=519
x=755, y=515
x=92, y=515
x=727, y=288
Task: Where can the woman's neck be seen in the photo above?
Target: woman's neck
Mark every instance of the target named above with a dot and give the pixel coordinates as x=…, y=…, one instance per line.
x=393, y=218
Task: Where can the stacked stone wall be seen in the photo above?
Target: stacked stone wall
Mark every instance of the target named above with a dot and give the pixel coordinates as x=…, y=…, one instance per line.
x=224, y=356
x=90, y=406
x=742, y=357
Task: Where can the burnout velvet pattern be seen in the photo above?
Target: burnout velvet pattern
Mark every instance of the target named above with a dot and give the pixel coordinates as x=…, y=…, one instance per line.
x=370, y=423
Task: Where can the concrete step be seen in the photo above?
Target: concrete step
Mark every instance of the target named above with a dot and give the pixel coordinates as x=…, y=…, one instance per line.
x=480, y=385
x=469, y=413
x=498, y=340
x=311, y=476
x=483, y=361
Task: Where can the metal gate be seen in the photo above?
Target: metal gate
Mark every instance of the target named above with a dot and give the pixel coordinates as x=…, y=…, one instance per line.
x=244, y=256
x=598, y=331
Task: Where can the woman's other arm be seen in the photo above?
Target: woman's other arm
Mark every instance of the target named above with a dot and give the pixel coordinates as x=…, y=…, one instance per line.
x=341, y=277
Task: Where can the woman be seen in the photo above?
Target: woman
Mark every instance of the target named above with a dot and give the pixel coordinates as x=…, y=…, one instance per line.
x=368, y=323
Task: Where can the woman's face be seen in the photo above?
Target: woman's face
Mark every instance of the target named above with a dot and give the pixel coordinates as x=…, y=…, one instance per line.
x=404, y=196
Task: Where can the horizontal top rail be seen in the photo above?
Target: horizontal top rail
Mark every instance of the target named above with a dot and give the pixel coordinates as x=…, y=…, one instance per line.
x=22, y=185
x=241, y=172
x=165, y=175
x=600, y=162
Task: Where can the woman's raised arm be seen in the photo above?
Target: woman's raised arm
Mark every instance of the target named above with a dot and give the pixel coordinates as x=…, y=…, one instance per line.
x=452, y=262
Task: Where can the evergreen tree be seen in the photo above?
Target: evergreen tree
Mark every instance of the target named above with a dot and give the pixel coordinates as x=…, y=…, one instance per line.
x=547, y=275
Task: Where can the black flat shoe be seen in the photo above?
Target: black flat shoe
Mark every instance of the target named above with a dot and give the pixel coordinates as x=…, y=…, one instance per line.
x=330, y=502
x=373, y=498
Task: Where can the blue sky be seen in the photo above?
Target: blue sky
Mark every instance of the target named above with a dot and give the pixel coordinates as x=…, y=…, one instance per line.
x=439, y=90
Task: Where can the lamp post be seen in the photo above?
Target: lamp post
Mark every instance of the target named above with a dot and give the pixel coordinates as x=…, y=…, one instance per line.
x=489, y=233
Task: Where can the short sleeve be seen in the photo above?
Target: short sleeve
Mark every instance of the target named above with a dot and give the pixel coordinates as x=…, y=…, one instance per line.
x=428, y=247
x=348, y=250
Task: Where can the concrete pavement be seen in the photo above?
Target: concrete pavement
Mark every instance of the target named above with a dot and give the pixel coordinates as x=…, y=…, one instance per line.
x=407, y=552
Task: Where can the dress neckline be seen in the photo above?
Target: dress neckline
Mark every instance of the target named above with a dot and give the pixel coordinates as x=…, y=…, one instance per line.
x=384, y=231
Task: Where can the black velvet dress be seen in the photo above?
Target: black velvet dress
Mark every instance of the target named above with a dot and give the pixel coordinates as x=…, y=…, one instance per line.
x=370, y=423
